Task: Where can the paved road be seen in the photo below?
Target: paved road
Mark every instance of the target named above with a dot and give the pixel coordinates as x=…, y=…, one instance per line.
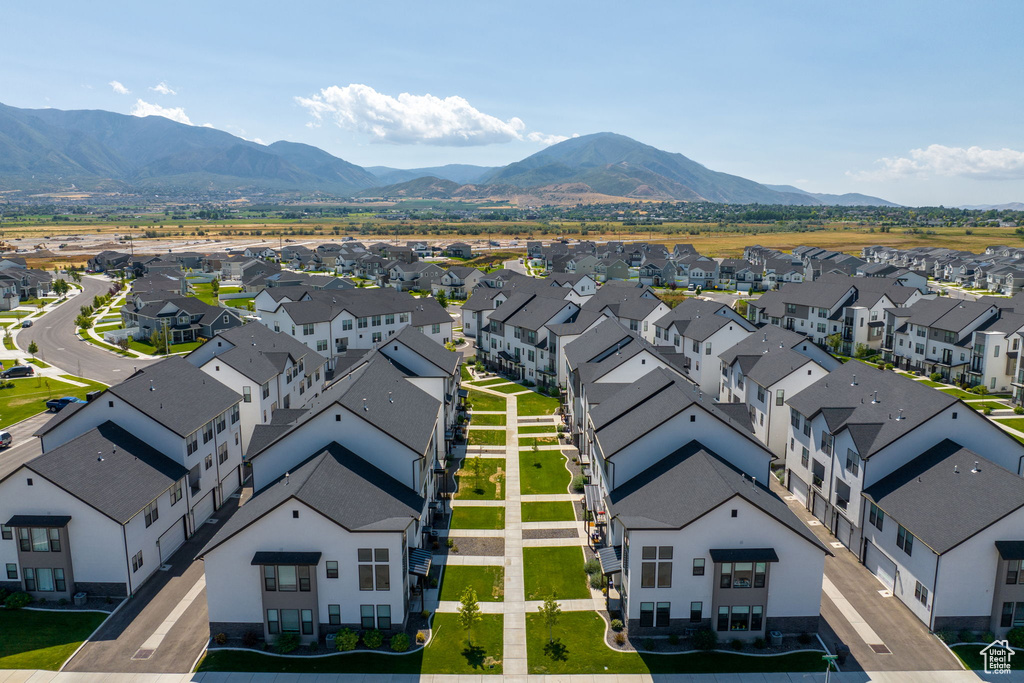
x=58, y=344
x=25, y=446
x=120, y=638
x=515, y=265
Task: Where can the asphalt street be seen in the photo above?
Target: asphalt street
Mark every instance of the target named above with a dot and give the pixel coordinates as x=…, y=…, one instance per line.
x=54, y=333
x=24, y=446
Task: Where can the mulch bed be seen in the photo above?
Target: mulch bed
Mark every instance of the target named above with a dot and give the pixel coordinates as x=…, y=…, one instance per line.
x=550, y=533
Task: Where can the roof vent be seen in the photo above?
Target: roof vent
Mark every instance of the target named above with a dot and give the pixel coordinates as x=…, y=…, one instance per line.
x=976, y=469
x=286, y=476
x=875, y=399
x=390, y=400
x=956, y=469
x=151, y=387
x=753, y=482
x=900, y=416
x=365, y=407
x=99, y=456
x=764, y=338
x=854, y=382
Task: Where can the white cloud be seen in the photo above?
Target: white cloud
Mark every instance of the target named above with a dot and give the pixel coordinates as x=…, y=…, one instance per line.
x=163, y=89
x=959, y=162
x=119, y=88
x=142, y=108
x=414, y=119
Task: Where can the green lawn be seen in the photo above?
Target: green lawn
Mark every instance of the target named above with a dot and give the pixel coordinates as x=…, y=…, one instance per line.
x=509, y=388
x=464, y=369
x=537, y=429
x=43, y=640
x=579, y=649
x=488, y=420
x=146, y=347
x=447, y=653
x=486, y=402
x=204, y=292
x=554, y=570
x=538, y=441
x=238, y=303
x=959, y=393
x=9, y=343
x=536, y=404
x=970, y=655
x=488, y=582
x=478, y=517
x=38, y=363
x=28, y=396
x=106, y=328
x=543, y=472
x=481, y=479
x=489, y=382
x=994, y=405
x=929, y=383
x=557, y=511
x=108, y=347
x=486, y=437
x=1012, y=422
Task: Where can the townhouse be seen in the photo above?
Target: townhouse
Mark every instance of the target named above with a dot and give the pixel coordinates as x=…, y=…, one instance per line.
x=694, y=537
x=337, y=531
x=699, y=330
x=182, y=319
x=636, y=307
x=417, y=275
x=457, y=282
x=762, y=370
x=270, y=370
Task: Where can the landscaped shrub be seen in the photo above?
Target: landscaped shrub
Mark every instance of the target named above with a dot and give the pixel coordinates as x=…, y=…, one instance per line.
x=617, y=625
x=17, y=600
x=399, y=642
x=737, y=644
x=577, y=484
x=987, y=410
x=673, y=639
x=287, y=642
x=804, y=638
x=935, y=377
x=597, y=581
x=965, y=636
x=705, y=639
x=220, y=638
x=373, y=639
x=251, y=639
x=947, y=636
x=988, y=637
x=421, y=637
x=620, y=639
x=592, y=566
x=346, y=639
x=648, y=644
x=1015, y=637
x=1018, y=410
x=760, y=644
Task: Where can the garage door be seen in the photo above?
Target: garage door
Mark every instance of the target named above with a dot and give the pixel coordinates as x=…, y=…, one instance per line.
x=844, y=530
x=171, y=540
x=819, y=507
x=798, y=487
x=203, y=509
x=232, y=482
x=880, y=565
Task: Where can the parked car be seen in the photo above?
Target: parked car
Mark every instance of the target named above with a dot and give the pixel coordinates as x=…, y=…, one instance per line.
x=6, y=439
x=57, y=404
x=18, y=371
x=26, y=323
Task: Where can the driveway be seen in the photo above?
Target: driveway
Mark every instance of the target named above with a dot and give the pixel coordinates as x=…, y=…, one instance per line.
x=116, y=646
x=856, y=592
x=60, y=346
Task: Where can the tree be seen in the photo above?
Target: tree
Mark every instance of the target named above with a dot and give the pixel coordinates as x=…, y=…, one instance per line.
x=124, y=343
x=469, y=612
x=33, y=348
x=834, y=341
x=61, y=287
x=75, y=275
x=215, y=287
x=83, y=321
x=158, y=340
x=550, y=613
x=442, y=298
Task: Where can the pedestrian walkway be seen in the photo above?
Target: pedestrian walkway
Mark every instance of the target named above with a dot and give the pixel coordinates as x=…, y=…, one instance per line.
x=514, y=637
x=154, y=641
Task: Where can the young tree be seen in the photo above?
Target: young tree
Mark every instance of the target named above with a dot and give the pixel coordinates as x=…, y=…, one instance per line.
x=833, y=341
x=550, y=613
x=33, y=348
x=124, y=343
x=83, y=321
x=158, y=340
x=61, y=287
x=442, y=298
x=469, y=612
x=215, y=287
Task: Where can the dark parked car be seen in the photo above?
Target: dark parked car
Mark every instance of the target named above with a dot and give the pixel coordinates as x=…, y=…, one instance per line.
x=18, y=371
x=56, y=404
x=26, y=323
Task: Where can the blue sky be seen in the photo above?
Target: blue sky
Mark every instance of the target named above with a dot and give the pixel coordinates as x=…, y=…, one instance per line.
x=917, y=102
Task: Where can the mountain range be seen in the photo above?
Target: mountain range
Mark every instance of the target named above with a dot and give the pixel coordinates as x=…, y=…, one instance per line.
x=45, y=150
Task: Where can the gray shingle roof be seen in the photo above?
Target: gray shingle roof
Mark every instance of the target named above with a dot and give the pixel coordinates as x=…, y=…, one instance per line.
x=446, y=361
x=699, y=319
x=341, y=486
x=873, y=426
x=129, y=477
x=259, y=353
x=685, y=485
x=938, y=498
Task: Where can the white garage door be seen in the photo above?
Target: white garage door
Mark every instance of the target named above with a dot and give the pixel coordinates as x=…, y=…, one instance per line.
x=819, y=507
x=232, y=482
x=203, y=509
x=171, y=540
x=798, y=487
x=880, y=565
x=844, y=530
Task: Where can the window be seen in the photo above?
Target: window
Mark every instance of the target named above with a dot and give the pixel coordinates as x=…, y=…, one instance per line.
x=361, y=323
x=152, y=513
x=222, y=453
x=6, y=533
x=374, y=571
x=804, y=456
x=334, y=615
x=208, y=432
x=1013, y=614
x=740, y=620
x=818, y=473
x=332, y=569
x=235, y=416
x=826, y=442
x=290, y=621
x=921, y=593
x=307, y=622
x=321, y=345
x=366, y=616
x=384, y=617
x=726, y=576
x=756, y=617
x=760, y=393
x=696, y=611
x=208, y=462
x=307, y=329
x=192, y=442
x=662, y=613
x=247, y=394
x=389, y=319
x=656, y=568
x=222, y=422
x=780, y=397
x=905, y=540
x=38, y=540
x=375, y=320
x=842, y=494
x=647, y=614
x=852, y=462
x=723, y=618
x=1012, y=572
x=269, y=577
x=137, y=561
x=265, y=389
x=698, y=566
x=707, y=349
x=12, y=571
x=435, y=328
x=377, y=337
x=403, y=317
x=876, y=517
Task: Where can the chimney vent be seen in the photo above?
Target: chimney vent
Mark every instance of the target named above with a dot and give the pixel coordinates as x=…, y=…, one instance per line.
x=976, y=469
